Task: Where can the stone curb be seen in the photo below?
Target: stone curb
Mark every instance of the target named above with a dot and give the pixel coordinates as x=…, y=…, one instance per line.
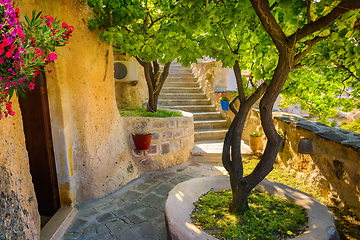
x=180, y=204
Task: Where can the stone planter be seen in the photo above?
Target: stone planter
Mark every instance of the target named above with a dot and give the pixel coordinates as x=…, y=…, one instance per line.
x=179, y=206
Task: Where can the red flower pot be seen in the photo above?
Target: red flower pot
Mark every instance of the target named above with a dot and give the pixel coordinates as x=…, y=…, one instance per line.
x=142, y=141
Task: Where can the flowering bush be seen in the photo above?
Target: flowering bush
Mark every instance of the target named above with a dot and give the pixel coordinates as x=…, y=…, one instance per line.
x=25, y=49
x=221, y=98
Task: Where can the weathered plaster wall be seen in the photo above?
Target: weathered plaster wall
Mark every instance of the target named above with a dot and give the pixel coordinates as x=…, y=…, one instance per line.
x=128, y=95
x=171, y=141
x=92, y=156
x=19, y=216
x=323, y=157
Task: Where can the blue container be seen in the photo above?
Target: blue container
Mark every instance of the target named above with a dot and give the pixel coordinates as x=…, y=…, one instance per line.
x=224, y=105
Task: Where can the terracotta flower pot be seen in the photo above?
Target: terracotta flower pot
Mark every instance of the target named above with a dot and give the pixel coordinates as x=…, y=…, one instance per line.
x=142, y=141
x=254, y=143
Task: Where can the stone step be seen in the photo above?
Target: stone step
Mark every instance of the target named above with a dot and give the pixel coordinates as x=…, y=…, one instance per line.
x=181, y=79
x=181, y=90
x=194, y=108
x=211, y=151
x=210, y=124
x=210, y=134
x=179, y=71
x=181, y=84
x=180, y=75
x=198, y=116
x=178, y=102
x=182, y=95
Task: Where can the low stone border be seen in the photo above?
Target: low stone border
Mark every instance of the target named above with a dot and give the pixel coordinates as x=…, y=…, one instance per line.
x=179, y=206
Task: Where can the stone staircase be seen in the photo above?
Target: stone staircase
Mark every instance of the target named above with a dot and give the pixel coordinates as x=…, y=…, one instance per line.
x=181, y=91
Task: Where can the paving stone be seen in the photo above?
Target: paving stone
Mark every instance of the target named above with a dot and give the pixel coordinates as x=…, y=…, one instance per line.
x=128, y=235
x=105, y=236
x=70, y=235
x=90, y=230
x=141, y=187
x=146, y=229
x=179, y=179
x=151, y=213
x=154, y=200
x=133, y=207
x=135, y=218
x=130, y=196
x=117, y=227
x=87, y=213
x=77, y=225
x=163, y=235
x=106, y=217
x=163, y=189
x=105, y=207
x=102, y=229
x=161, y=177
x=119, y=212
x=152, y=181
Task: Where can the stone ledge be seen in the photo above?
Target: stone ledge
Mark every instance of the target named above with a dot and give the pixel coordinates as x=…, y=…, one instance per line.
x=180, y=201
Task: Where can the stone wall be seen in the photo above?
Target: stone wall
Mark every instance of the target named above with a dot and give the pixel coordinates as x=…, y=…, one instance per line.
x=128, y=95
x=210, y=76
x=321, y=156
x=171, y=141
x=19, y=216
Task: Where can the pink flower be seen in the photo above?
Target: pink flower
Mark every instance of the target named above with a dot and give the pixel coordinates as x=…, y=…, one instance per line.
x=64, y=24
x=31, y=86
x=52, y=56
x=12, y=113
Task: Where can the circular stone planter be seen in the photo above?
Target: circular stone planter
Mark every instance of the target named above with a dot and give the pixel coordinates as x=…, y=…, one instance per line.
x=179, y=206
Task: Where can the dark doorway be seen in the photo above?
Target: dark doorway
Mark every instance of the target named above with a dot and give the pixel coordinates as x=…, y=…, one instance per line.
x=37, y=129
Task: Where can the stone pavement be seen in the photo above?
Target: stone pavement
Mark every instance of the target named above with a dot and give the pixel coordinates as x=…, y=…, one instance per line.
x=136, y=211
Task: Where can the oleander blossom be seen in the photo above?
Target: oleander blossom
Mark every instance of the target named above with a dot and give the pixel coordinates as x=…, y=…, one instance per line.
x=25, y=50
x=11, y=51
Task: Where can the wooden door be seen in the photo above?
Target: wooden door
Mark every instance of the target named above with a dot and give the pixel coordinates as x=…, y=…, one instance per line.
x=37, y=129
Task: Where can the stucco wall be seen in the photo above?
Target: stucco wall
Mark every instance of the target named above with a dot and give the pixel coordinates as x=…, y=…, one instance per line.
x=128, y=95
x=171, y=141
x=323, y=157
x=19, y=216
x=92, y=157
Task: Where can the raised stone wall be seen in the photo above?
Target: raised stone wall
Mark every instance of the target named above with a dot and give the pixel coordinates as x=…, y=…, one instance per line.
x=323, y=157
x=19, y=216
x=171, y=141
x=210, y=75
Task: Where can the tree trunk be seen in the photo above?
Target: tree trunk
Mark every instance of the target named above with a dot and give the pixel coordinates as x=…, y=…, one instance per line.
x=155, y=81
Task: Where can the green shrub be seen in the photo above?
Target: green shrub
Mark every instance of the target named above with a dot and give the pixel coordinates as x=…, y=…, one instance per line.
x=141, y=112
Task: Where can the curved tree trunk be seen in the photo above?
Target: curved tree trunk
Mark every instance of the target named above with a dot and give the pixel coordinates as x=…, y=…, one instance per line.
x=155, y=81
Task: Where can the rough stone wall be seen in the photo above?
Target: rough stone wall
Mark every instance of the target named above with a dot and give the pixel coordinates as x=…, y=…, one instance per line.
x=128, y=95
x=323, y=157
x=92, y=156
x=171, y=141
x=209, y=75
x=19, y=216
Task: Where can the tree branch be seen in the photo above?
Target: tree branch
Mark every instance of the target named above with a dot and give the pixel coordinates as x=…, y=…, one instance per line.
x=308, y=13
x=238, y=78
x=140, y=61
x=262, y=10
x=320, y=23
x=231, y=105
x=310, y=44
x=343, y=67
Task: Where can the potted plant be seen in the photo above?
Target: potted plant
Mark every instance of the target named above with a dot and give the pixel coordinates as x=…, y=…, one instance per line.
x=255, y=140
x=224, y=101
x=282, y=144
x=142, y=141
